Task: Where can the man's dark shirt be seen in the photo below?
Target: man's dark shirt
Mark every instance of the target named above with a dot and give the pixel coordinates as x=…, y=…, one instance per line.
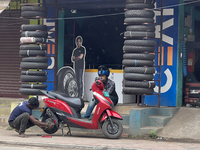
x=79, y=64
x=110, y=88
x=20, y=109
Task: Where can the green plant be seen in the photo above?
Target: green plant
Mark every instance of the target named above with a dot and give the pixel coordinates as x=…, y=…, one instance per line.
x=153, y=134
x=9, y=128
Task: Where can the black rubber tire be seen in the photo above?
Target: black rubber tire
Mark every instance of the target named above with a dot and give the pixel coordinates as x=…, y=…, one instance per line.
x=29, y=27
x=32, y=78
x=137, y=91
x=33, y=65
x=36, y=73
x=33, y=14
x=138, y=49
x=149, y=85
x=141, y=28
x=33, y=47
x=34, y=86
x=135, y=34
x=35, y=59
x=71, y=88
x=138, y=77
x=139, y=14
x=137, y=63
x=41, y=34
x=141, y=1
x=138, y=20
x=131, y=6
x=108, y=131
x=34, y=8
x=28, y=91
x=32, y=53
x=47, y=119
x=139, y=56
x=32, y=40
x=143, y=70
x=140, y=42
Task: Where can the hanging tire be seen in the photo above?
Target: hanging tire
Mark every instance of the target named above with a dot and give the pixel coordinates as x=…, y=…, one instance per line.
x=137, y=91
x=33, y=47
x=131, y=6
x=149, y=85
x=32, y=78
x=32, y=53
x=138, y=77
x=138, y=20
x=112, y=133
x=34, y=86
x=135, y=34
x=143, y=28
x=71, y=88
x=40, y=34
x=34, y=8
x=137, y=63
x=137, y=49
x=47, y=119
x=139, y=56
x=35, y=59
x=139, y=14
x=143, y=70
x=150, y=43
x=28, y=91
x=33, y=14
x=32, y=40
x=28, y=27
x=36, y=73
x=33, y=65
x=141, y=1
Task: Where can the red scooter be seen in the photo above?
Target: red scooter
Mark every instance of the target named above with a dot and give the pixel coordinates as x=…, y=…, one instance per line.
x=62, y=110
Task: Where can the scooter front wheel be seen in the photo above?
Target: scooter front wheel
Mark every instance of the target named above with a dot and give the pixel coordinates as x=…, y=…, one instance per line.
x=112, y=132
x=47, y=119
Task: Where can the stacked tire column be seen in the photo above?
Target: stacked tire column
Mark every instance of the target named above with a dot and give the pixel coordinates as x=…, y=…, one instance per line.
x=33, y=49
x=138, y=59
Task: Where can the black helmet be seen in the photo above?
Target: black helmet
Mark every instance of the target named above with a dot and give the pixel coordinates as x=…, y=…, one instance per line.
x=33, y=101
x=103, y=70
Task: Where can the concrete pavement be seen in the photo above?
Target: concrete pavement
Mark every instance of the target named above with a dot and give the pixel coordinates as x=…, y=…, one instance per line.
x=77, y=141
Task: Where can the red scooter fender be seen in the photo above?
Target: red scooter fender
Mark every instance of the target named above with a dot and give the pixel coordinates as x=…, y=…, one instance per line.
x=110, y=113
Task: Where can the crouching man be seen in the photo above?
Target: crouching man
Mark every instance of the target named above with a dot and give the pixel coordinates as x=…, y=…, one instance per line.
x=21, y=117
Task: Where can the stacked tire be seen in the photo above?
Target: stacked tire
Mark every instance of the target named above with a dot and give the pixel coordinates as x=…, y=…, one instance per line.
x=33, y=49
x=138, y=60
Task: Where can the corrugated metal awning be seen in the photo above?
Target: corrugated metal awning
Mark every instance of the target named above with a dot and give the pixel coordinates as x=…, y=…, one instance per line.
x=3, y=5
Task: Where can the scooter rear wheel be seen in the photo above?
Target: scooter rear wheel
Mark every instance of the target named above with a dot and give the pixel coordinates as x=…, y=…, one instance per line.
x=47, y=119
x=112, y=133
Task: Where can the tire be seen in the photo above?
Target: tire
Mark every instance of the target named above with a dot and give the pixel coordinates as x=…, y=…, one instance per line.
x=35, y=59
x=32, y=40
x=138, y=49
x=27, y=27
x=47, y=119
x=138, y=77
x=135, y=34
x=35, y=73
x=32, y=78
x=137, y=63
x=40, y=34
x=109, y=132
x=138, y=20
x=34, y=86
x=137, y=91
x=140, y=43
x=149, y=85
x=32, y=53
x=141, y=28
x=139, y=56
x=34, y=8
x=71, y=88
x=131, y=6
x=141, y=1
x=143, y=70
x=28, y=91
x=32, y=65
x=33, y=14
x=139, y=14
x=33, y=47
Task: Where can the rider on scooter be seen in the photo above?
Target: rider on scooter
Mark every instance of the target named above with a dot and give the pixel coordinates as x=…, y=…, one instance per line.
x=109, y=86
